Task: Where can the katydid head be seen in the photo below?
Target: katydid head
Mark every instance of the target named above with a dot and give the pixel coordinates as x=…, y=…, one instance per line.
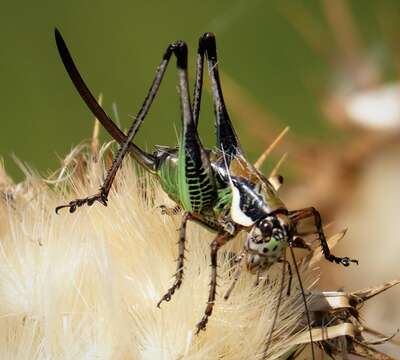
x=266, y=241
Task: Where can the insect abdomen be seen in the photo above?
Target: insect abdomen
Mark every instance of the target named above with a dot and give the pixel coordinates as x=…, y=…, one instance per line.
x=195, y=194
x=168, y=175
x=200, y=189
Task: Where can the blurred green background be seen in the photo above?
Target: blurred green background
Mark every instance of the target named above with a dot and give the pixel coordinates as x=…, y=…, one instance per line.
x=117, y=46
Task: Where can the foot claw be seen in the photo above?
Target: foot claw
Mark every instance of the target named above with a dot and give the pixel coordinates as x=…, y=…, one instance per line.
x=166, y=297
x=201, y=326
x=73, y=205
x=345, y=261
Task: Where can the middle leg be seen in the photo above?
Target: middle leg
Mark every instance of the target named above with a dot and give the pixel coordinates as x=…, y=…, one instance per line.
x=219, y=241
x=180, y=261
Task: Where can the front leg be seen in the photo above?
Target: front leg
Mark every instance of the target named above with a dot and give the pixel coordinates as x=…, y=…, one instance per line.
x=220, y=240
x=299, y=243
x=311, y=212
x=180, y=261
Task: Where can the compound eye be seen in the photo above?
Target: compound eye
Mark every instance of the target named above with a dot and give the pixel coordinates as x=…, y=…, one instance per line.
x=266, y=228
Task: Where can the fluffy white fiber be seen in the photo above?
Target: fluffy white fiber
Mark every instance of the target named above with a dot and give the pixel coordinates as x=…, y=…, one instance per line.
x=86, y=285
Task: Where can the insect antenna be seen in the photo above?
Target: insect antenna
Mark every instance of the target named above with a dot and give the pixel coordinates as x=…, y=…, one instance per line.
x=238, y=260
x=304, y=300
x=226, y=166
x=277, y=307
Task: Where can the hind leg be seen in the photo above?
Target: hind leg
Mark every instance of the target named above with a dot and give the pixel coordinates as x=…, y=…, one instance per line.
x=227, y=139
x=180, y=50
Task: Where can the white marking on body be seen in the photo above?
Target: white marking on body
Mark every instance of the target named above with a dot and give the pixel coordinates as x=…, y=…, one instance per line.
x=238, y=216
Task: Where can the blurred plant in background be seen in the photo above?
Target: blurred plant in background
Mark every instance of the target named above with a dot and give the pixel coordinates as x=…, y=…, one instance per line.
x=354, y=182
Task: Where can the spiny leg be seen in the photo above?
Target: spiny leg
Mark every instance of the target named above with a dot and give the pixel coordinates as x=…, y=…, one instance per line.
x=180, y=261
x=311, y=212
x=180, y=50
x=219, y=241
x=227, y=139
x=170, y=211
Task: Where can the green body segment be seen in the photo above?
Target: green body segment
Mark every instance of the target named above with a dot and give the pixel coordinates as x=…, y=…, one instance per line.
x=193, y=193
x=275, y=248
x=167, y=173
x=182, y=187
x=224, y=200
x=187, y=177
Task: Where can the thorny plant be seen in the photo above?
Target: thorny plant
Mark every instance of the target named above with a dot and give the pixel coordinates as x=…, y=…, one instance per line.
x=88, y=285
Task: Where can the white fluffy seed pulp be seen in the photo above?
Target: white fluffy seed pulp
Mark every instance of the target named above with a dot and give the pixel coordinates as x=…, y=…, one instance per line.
x=85, y=285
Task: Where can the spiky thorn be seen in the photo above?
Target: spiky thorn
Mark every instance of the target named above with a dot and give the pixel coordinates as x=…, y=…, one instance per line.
x=260, y=161
x=345, y=331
